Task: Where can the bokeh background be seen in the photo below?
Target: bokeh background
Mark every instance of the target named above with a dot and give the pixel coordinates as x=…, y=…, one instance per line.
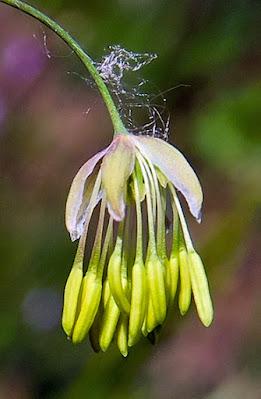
x=52, y=120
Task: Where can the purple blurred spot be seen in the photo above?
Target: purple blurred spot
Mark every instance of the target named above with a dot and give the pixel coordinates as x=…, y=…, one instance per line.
x=3, y=110
x=23, y=59
x=42, y=308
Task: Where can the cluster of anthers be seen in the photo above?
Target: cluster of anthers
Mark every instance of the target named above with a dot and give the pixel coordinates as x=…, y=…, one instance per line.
x=132, y=276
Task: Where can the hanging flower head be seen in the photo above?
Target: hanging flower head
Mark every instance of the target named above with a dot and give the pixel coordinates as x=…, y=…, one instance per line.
x=129, y=282
x=131, y=278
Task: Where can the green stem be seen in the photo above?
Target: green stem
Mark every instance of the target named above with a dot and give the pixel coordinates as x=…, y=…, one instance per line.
x=118, y=125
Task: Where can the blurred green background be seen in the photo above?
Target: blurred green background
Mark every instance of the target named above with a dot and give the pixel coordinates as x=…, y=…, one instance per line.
x=52, y=120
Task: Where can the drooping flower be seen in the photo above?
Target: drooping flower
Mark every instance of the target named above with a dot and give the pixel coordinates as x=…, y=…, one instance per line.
x=131, y=277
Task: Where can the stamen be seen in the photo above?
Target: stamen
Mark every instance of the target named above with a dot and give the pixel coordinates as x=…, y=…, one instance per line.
x=95, y=256
x=139, y=247
x=72, y=294
x=117, y=272
x=161, y=245
x=185, y=280
x=154, y=267
x=126, y=261
x=171, y=264
x=152, y=241
x=183, y=223
x=152, y=188
x=105, y=247
x=175, y=235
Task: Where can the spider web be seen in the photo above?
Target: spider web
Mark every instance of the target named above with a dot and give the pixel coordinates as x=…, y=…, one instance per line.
x=117, y=68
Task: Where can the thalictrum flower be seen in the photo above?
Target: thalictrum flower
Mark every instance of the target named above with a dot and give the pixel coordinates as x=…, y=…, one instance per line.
x=132, y=277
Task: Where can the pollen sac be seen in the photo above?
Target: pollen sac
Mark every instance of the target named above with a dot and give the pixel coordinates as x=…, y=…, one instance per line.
x=200, y=289
x=71, y=294
x=125, y=289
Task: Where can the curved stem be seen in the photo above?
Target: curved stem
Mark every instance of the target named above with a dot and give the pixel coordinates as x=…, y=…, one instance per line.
x=118, y=125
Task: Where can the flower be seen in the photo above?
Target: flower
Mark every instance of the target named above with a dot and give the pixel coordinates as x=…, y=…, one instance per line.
x=132, y=276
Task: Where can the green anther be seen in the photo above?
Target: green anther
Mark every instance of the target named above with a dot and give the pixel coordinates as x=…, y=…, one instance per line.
x=200, y=289
x=122, y=335
x=156, y=286
x=117, y=275
x=89, y=306
x=106, y=292
x=185, y=282
x=109, y=323
x=71, y=296
x=151, y=321
x=173, y=273
x=138, y=302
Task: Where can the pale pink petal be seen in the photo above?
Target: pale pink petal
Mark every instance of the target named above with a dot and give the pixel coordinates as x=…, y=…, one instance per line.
x=175, y=167
x=77, y=201
x=116, y=168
